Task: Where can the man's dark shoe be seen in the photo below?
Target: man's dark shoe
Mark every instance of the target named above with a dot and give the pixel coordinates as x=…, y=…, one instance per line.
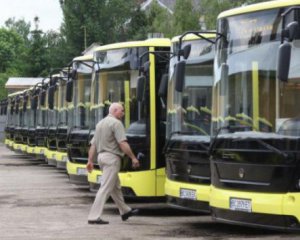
x=98, y=221
x=132, y=212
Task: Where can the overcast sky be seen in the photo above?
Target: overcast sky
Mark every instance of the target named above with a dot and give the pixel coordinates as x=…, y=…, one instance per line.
x=48, y=11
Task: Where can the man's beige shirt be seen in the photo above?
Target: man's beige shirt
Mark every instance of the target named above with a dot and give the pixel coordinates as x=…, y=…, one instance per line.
x=109, y=133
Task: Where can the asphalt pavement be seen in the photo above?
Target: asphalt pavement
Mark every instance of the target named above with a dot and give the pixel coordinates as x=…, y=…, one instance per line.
x=38, y=202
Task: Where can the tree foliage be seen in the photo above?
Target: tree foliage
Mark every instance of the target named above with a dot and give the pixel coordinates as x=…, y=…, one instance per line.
x=11, y=44
x=86, y=22
x=185, y=16
x=28, y=52
x=19, y=26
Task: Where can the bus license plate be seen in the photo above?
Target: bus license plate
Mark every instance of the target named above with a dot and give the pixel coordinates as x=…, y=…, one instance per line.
x=81, y=171
x=238, y=204
x=188, y=193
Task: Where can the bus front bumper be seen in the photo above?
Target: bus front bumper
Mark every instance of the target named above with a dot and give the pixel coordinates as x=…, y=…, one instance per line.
x=268, y=210
x=188, y=196
x=77, y=173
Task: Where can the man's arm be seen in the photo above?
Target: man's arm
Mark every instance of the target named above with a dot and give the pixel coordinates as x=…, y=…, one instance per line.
x=92, y=154
x=127, y=150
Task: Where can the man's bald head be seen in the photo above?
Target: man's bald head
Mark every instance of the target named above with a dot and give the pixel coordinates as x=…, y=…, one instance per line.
x=117, y=110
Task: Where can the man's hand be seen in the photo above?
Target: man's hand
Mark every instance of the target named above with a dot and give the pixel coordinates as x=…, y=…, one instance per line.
x=135, y=163
x=90, y=166
x=92, y=154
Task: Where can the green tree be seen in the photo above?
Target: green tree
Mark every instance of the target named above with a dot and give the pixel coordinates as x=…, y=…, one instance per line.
x=86, y=22
x=160, y=20
x=137, y=27
x=11, y=45
x=36, y=57
x=185, y=17
x=19, y=26
x=56, y=51
x=3, y=79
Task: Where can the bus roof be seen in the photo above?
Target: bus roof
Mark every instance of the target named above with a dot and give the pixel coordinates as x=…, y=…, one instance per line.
x=88, y=57
x=191, y=37
x=159, y=42
x=259, y=7
x=16, y=93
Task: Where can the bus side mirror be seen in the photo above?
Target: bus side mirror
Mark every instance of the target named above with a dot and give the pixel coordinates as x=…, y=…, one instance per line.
x=283, y=61
x=186, y=51
x=69, y=91
x=51, y=91
x=291, y=32
x=141, y=81
x=25, y=104
x=33, y=103
x=146, y=66
x=73, y=74
x=179, y=76
x=42, y=97
x=163, y=87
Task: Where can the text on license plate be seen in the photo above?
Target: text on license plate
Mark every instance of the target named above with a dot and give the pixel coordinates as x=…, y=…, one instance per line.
x=238, y=204
x=188, y=193
x=81, y=171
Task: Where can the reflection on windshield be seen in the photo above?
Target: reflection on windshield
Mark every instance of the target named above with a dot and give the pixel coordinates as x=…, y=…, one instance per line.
x=246, y=93
x=117, y=86
x=82, y=90
x=189, y=112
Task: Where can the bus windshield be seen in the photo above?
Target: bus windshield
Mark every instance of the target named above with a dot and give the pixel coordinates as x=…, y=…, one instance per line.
x=62, y=103
x=246, y=94
x=117, y=82
x=189, y=111
x=52, y=113
x=118, y=86
x=82, y=95
x=30, y=115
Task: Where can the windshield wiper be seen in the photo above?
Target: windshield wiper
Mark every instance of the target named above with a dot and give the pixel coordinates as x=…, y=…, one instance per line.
x=214, y=139
x=168, y=144
x=267, y=146
x=263, y=143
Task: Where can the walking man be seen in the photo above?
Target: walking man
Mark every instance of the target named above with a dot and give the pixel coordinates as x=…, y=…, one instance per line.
x=110, y=144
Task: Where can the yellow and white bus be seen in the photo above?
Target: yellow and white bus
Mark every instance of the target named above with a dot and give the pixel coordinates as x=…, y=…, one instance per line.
x=20, y=140
x=11, y=120
x=30, y=116
x=52, y=120
x=63, y=122
x=188, y=124
x=115, y=80
x=41, y=120
x=255, y=162
x=78, y=96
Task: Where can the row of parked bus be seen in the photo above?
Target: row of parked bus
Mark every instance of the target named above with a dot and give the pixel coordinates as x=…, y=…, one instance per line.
x=212, y=116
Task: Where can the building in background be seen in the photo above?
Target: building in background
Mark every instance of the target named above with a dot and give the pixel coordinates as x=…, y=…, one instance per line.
x=15, y=84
